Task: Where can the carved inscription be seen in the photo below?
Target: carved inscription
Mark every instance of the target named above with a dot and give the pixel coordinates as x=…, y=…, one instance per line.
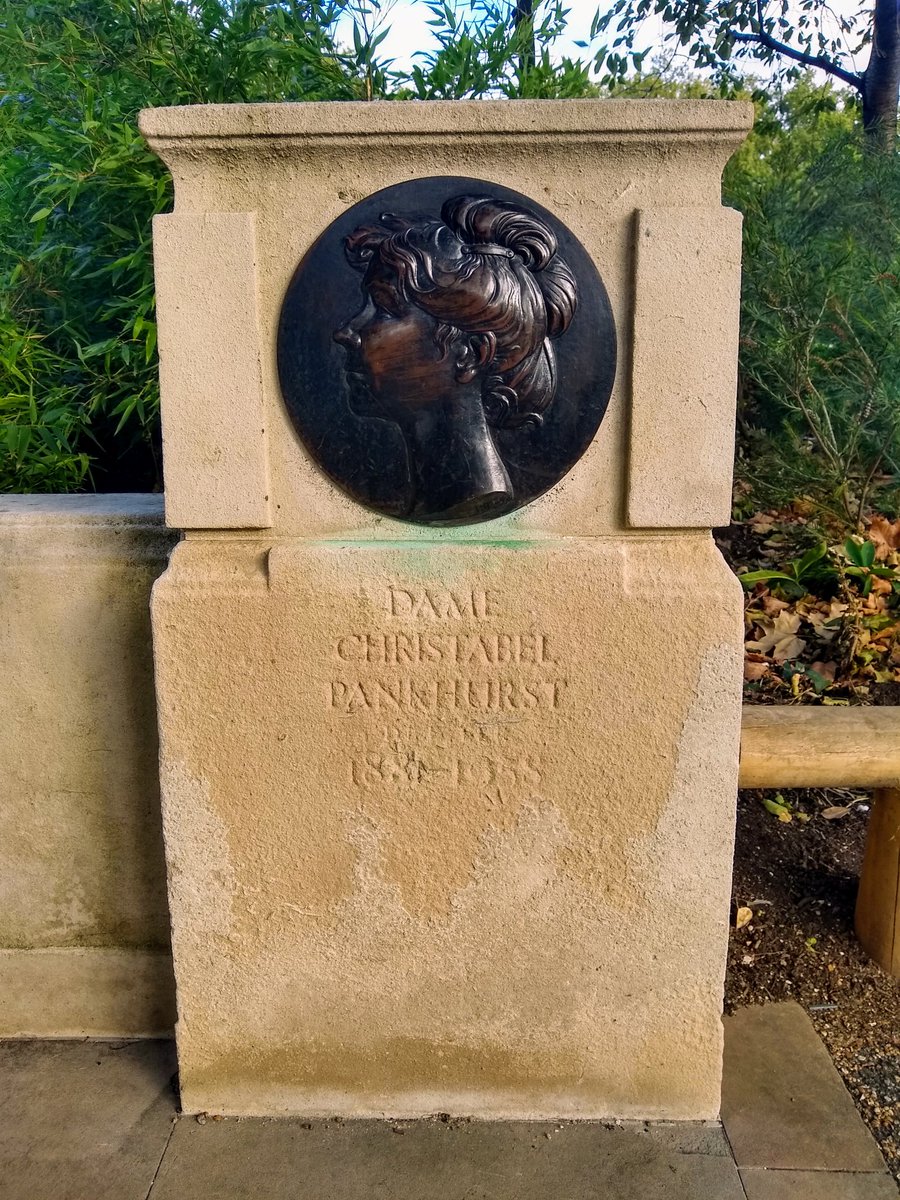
x=439, y=668
x=486, y=649
x=430, y=695
x=439, y=605
x=408, y=770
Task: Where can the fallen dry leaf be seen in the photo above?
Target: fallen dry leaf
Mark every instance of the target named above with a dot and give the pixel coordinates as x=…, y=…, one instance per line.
x=821, y=616
x=886, y=536
x=781, y=637
x=835, y=813
x=874, y=603
x=744, y=917
x=754, y=670
x=827, y=670
x=762, y=522
x=772, y=606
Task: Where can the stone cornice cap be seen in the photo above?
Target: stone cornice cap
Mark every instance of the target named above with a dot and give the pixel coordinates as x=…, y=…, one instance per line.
x=581, y=120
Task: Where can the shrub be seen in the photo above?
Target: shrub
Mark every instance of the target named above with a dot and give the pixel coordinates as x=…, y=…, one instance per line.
x=818, y=410
x=78, y=370
x=820, y=341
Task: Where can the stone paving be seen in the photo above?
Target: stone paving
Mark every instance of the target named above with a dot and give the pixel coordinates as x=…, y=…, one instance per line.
x=86, y=1120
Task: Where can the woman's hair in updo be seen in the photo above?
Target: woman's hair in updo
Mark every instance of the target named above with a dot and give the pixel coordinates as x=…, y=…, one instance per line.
x=488, y=271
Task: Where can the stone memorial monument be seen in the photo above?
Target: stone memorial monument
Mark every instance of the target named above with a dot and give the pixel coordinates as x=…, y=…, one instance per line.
x=448, y=665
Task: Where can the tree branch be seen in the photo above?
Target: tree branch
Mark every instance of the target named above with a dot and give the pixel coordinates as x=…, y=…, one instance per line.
x=808, y=60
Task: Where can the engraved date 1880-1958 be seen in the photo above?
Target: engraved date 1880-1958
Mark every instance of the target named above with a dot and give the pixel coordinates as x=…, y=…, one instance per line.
x=409, y=770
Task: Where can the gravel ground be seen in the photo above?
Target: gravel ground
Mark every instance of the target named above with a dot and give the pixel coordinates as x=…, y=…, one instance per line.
x=799, y=879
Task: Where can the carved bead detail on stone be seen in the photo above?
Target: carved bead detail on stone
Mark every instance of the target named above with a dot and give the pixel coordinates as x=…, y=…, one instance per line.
x=473, y=370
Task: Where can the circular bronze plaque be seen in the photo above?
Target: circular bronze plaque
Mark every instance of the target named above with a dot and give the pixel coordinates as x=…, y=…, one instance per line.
x=446, y=351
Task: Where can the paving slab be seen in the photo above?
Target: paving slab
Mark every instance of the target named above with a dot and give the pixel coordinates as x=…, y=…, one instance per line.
x=784, y=1104
x=760, y=1184
x=266, y=1159
x=89, y=1120
x=83, y=1120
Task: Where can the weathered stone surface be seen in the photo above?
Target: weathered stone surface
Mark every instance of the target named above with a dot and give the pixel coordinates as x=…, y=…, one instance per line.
x=433, y=1160
x=685, y=365
x=213, y=411
x=83, y=1119
x=445, y=830
x=81, y=861
x=760, y=1184
x=783, y=1103
x=86, y=992
x=437, y=839
x=94, y=1119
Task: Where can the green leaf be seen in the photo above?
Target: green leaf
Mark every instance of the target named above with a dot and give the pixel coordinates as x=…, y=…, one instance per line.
x=861, y=554
x=777, y=807
x=751, y=578
x=810, y=558
x=819, y=682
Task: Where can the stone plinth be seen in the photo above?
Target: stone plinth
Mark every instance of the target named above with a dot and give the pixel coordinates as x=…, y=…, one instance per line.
x=448, y=813
x=83, y=923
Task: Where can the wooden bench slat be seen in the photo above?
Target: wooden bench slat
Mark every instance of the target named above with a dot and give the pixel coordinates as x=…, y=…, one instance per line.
x=800, y=746
x=795, y=746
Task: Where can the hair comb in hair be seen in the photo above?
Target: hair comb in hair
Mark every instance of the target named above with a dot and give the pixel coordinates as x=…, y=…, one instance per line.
x=493, y=248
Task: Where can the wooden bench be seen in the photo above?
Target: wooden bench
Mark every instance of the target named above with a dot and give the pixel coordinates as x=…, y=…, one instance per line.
x=786, y=746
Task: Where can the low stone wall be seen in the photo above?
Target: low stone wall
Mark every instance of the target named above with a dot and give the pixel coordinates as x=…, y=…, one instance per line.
x=84, y=932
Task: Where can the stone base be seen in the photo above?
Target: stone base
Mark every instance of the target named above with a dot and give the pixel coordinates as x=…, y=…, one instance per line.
x=449, y=826
x=90, y=992
x=95, y=1119
x=451, y=1160
x=84, y=925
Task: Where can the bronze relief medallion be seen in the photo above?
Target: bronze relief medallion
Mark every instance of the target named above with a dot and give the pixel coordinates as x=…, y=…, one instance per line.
x=446, y=351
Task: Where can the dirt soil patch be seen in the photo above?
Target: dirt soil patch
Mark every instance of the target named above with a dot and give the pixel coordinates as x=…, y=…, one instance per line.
x=799, y=879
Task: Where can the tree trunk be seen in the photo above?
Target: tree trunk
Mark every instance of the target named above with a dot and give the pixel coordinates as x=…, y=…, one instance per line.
x=523, y=11
x=881, y=80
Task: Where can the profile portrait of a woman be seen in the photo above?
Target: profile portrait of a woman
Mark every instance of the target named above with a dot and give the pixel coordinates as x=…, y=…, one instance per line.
x=455, y=338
